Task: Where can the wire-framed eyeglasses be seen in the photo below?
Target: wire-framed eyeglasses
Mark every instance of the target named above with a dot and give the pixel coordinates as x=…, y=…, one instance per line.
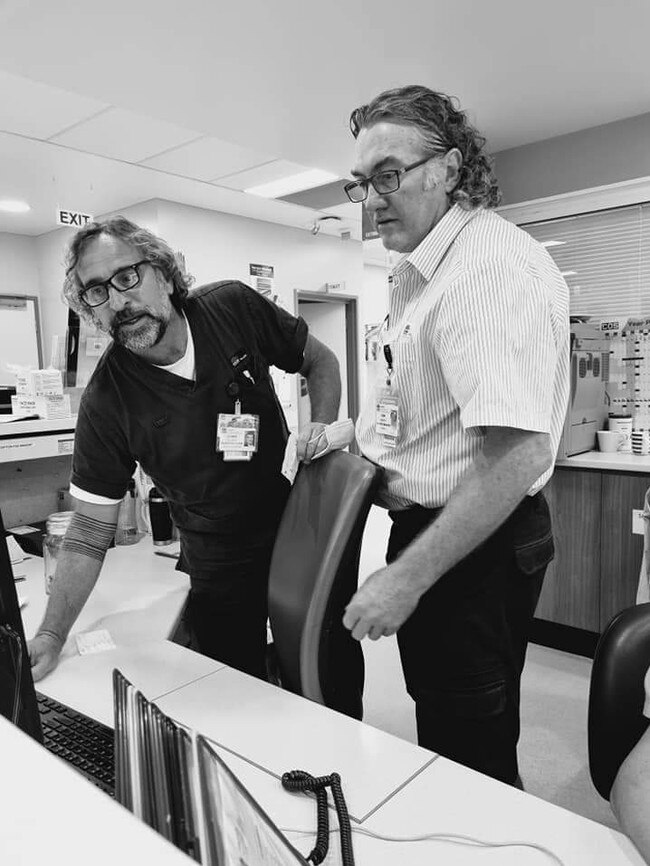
x=122, y=280
x=383, y=182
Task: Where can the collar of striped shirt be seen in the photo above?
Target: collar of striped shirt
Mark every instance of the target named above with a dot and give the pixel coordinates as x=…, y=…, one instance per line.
x=429, y=253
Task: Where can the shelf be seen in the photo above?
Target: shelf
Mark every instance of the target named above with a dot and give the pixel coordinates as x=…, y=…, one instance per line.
x=32, y=440
x=616, y=461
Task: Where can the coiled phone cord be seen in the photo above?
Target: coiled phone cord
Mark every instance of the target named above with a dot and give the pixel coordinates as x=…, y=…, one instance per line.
x=299, y=780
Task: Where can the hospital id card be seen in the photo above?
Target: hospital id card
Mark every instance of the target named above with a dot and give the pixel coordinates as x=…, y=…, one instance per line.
x=237, y=435
x=387, y=417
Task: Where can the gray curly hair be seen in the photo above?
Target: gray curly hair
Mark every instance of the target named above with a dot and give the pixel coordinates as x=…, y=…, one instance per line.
x=442, y=126
x=152, y=248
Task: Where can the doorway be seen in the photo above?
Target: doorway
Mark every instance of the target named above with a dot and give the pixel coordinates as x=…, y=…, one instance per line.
x=332, y=319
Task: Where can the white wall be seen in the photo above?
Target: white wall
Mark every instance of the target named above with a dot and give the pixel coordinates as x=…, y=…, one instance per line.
x=219, y=246
x=375, y=294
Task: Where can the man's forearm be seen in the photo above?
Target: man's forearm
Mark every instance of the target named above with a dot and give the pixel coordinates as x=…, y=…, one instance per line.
x=321, y=370
x=324, y=385
x=75, y=577
x=485, y=497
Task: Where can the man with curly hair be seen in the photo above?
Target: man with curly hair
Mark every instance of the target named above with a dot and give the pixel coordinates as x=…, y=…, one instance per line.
x=464, y=417
x=180, y=367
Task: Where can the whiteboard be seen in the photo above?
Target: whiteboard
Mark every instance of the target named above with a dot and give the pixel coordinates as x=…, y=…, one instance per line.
x=20, y=342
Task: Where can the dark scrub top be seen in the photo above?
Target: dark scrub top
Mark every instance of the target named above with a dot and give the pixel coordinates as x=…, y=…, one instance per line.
x=132, y=410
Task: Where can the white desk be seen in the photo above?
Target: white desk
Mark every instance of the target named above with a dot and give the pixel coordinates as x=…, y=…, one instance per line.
x=51, y=815
x=392, y=787
x=446, y=798
x=138, y=596
x=279, y=731
x=138, y=599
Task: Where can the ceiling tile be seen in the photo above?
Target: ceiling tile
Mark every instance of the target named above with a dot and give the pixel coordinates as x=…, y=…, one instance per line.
x=262, y=174
x=320, y=197
x=206, y=159
x=40, y=111
x=124, y=135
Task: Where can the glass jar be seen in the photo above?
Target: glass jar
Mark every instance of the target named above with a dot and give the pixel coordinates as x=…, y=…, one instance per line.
x=56, y=526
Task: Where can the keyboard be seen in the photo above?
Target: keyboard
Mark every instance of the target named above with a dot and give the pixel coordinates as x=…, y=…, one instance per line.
x=84, y=743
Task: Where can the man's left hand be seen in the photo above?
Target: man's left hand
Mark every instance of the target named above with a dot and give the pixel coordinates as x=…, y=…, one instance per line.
x=311, y=441
x=383, y=603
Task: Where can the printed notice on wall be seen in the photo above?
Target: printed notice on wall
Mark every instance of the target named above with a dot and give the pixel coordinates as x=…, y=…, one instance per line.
x=262, y=279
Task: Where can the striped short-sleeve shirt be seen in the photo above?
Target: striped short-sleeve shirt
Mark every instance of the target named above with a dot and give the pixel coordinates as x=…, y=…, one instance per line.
x=478, y=328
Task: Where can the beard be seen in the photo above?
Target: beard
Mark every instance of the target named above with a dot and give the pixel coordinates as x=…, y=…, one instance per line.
x=144, y=334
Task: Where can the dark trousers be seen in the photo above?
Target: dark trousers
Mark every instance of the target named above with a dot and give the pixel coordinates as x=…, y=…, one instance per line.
x=463, y=649
x=227, y=606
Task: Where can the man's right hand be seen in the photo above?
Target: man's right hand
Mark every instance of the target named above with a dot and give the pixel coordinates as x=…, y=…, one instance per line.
x=44, y=651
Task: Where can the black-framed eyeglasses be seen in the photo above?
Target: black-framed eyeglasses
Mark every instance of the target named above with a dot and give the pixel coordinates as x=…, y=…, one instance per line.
x=383, y=182
x=122, y=280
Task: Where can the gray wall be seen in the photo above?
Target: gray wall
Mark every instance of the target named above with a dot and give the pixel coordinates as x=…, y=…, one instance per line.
x=592, y=157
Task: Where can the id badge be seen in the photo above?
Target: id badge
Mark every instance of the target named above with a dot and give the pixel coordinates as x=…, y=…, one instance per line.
x=387, y=417
x=237, y=435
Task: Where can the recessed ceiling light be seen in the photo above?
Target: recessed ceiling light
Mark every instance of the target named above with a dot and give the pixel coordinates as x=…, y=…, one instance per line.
x=294, y=183
x=10, y=206
x=553, y=243
x=568, y=273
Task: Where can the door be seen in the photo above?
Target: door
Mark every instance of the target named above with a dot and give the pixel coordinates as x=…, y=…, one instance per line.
x=332, y=319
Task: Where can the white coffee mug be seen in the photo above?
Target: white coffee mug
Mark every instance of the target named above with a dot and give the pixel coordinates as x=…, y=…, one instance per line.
x=609, y=440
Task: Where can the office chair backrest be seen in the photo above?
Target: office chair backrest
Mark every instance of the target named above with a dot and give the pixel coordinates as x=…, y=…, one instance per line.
x=616, y=694
x=313, y=575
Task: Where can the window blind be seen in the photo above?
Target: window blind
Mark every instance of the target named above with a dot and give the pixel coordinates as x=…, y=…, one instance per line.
x=605, y=259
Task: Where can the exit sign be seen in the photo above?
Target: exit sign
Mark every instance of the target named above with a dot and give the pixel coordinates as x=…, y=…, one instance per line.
x=74, y=218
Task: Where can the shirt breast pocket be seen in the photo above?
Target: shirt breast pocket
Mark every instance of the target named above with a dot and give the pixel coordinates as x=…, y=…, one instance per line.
x=405, y=352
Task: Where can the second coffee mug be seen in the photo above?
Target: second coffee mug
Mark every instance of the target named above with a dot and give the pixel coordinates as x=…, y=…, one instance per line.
x=609, y=440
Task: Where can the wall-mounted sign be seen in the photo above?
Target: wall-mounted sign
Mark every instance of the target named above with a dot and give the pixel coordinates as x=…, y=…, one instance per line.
x=262, y=279
x=74, y=218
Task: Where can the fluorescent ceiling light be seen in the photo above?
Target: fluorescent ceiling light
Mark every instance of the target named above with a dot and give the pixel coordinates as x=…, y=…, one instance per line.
x=553, y=243
x=568, y=273
x=294, y=183
x=10, y=206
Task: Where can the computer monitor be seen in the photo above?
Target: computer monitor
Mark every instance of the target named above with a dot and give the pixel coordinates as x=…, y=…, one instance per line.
x=17, y=693
x=176, y=782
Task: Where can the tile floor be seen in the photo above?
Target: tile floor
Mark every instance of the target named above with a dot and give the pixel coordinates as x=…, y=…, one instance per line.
x=555, y=686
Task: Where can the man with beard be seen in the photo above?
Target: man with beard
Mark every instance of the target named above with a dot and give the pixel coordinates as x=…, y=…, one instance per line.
x=167, y=393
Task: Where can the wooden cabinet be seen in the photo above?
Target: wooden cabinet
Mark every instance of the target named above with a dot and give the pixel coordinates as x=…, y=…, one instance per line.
x=621, y=552
x=571, y=590
x=597, y=559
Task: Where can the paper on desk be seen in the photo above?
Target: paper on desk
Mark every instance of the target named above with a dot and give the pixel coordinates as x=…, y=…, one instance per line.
x=94, y=642
x=16, y=553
